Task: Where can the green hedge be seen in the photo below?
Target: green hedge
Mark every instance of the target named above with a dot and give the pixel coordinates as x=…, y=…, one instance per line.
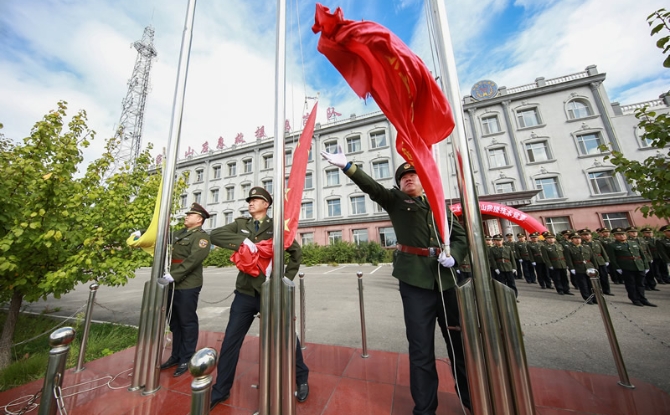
x=313, y=254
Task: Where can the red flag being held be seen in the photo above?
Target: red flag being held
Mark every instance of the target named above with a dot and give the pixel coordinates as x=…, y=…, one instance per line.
x=376, y=62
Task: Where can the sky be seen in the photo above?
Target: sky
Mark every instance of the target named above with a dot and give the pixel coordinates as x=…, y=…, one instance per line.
x=80, y=51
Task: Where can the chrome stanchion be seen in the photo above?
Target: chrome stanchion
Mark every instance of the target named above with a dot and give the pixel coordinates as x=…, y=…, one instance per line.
x=139, y=377
x=609, y=329
x=59, y=341
x=362, y=304
x=87, y=326
x=265, y=345
x=303, y=345
x=288, y=347
x=201, y=366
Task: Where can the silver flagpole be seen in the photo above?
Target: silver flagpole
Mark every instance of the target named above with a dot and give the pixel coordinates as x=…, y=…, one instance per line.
x=156, y=321
x=494, y=353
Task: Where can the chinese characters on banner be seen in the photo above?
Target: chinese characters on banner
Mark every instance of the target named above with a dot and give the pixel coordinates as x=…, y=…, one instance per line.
x=260, y=132
x=220, y=145
x=205, y=147
x=239, y=138
x=189, y=152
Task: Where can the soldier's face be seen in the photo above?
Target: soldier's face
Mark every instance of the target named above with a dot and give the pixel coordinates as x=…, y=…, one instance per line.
x=586, y=237
x=649, y=234
x=498, y=242
x=551, y=240
x=576, y=241
x=192, y=220
x=522, y=238
x=606, y=234
x=620, y=237
x=258, y=206
x=632, y=234
x=410, y=184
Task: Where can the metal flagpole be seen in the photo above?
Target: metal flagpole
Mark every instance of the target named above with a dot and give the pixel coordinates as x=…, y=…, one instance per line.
x=155, y=294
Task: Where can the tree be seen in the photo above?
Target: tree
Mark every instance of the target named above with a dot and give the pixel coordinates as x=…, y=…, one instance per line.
x=651, y=177
x=58, y=229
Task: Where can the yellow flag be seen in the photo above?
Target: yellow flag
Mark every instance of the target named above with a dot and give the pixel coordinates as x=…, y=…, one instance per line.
x=147, y=241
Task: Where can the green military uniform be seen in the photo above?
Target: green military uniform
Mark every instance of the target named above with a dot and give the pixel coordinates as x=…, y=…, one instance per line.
x=627, y=258
x=523, y=257
x=663, y=248
x=503, y=261
x=601, y=262
x=578, y=259
x=654, y=269
x=190, y=248
x=537, y=262
x=554, y=259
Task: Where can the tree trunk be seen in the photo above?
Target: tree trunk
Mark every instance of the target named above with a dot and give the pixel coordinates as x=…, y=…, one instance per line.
x=8, y=330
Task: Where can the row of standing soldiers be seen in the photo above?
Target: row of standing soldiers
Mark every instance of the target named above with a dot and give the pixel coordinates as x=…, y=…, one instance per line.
x=638, y=263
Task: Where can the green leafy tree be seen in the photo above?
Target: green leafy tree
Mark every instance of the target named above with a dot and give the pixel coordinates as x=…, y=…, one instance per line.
x=651, y=177
x=59, y=228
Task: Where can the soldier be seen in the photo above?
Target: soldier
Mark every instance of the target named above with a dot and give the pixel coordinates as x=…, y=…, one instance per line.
x=565, y=243
x=504, y=262
x=656, y=263
x=425, y=277
x=464, y=270
x=628, y=260
x=606, y=239
x=663, y=247
x=578, y=259
x=190, y=247
x=554, y=259
x=601, y=257
x=509, y=240
x=522, y=254
x=540, y=269
x=649, y=281
x=246, y=231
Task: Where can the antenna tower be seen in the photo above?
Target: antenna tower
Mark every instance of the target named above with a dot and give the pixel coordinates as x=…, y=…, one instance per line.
x=129, y=131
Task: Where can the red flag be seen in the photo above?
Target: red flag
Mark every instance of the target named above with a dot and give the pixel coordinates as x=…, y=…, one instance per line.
x=376, y=62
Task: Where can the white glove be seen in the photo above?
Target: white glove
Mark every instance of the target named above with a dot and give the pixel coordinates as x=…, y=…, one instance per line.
x=646, y=271
x=607, y=264
x=458, y=271
x=446, y=261
x=336, y=159
x=498, y=271
x=651, y=261
x=514, y=271
x=168, y=277
x=572, y=271
x=251, y=245
x=534, y=263
x=136, y=234
x=619, y=271
x=521, y=261
x=551, y=267
x=268, y=270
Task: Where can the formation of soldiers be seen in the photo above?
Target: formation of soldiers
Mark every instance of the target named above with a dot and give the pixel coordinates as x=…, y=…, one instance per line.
x=619, y=255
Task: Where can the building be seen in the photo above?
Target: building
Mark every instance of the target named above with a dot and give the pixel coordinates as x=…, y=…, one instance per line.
x=534, y=147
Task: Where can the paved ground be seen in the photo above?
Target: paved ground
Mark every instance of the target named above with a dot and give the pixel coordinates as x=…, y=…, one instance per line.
x=560, y=332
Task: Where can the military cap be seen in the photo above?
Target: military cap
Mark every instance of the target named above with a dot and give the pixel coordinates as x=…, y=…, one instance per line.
x=605, y=230
x=599, y=230
x=665, y=228
x=585, y=231
x=509, y=234
x=549, y=235
x=198, y=210
x=564, y=231
x=647, y=229
x=618, y=230
x=489, y=238
x=402, y=170
x=631, y=229
x=259, y=193
x=535, y=235
x=497, y=237
x=575, y=235
x=544, y=233
x=520, y=235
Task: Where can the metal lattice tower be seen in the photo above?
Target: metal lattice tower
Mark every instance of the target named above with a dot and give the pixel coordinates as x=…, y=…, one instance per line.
x=129, y=131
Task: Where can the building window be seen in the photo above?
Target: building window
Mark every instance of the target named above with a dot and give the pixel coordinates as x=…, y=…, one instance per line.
x=616, y=220
x=244, y=212
x=378, y=208
x=197, y=197
x=308, y=181
x=247, y=165
x=603, y=182
x=504, y=187
x=307, y=210
x=378, y=139
x=354, y=144
x=528, y=118
x=215, y=195
x=230, y=193
x=549, y=188
x=310, y=156
x=183, y=200
x=380, y=169
x=558, y=224
x=588, y=143
x=332, y=177
x=357, y=205
x=199, y=175
x=334, y=237
x=334, y=208
x=232, y=169
x=579, y=109
x=267, y=185
x=267, y=162
x=288, y=157
x=227, y=217
x=212, y=221
x=490, y=125
x=331, y=147
x=387, y=237
x=538, y=151
x=307, y=238
x=497, y=157
x=216, y=172
x=245, y=189
x=360, y=235
x=187, y=176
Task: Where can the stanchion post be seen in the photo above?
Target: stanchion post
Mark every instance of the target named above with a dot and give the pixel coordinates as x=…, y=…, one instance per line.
x=362, y=304
x=201, y=366
x=303, y=345
x=93, y=289
x=609, y=329
x=59, y=341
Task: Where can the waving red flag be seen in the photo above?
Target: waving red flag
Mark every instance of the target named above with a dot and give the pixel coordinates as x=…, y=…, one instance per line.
x=376, y=62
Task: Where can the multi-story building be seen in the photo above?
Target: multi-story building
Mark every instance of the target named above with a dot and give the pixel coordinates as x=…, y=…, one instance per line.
x=533, y=147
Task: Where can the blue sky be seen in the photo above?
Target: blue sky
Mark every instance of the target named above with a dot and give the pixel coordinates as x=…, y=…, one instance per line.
x=79, y=51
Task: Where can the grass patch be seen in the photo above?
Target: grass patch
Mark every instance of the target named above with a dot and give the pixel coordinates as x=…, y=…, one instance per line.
x=29, y=360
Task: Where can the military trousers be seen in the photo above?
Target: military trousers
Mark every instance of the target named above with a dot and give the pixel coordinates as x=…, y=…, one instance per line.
x=560, y=279
x=183, y=322
x=634, y=281
x=663, y=273
x=527, y=270
x=421, y=308
x=242, y=313
x=604, y=279
x=542, y=272
x=507, y=278
x=583, y=284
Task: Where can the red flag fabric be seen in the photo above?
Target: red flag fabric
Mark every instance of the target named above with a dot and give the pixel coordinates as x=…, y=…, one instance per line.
x=254, y=263
x=376, y=62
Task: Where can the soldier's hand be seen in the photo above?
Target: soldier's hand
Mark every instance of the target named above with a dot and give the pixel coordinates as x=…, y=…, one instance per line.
x=619, y=271
x=514, y=271
x=268, y=270
x=446, y=261
x=534, y=263
x=498, y=271
x=336, y=159
x=458, y=271
x=607, y=264
x=252, y=246
x=572, y=271
x=521, y=261
x=136, y=234
x=646, y=271
x=168, y=277
x=551, y=267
